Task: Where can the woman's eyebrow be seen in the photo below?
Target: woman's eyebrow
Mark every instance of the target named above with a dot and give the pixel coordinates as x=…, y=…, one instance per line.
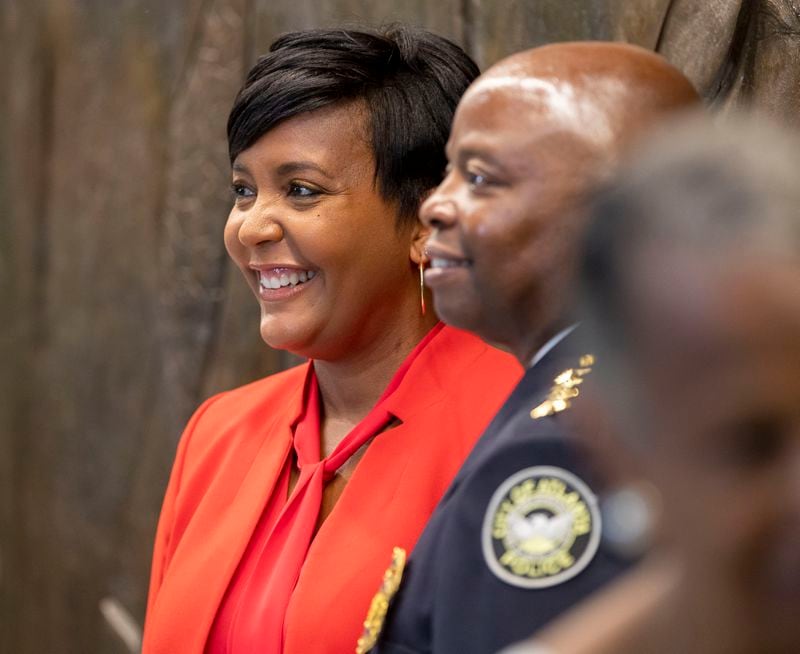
x=291, y=167
x=288, y=168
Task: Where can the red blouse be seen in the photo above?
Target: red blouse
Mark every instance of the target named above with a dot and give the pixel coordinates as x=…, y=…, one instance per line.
x=227, y=552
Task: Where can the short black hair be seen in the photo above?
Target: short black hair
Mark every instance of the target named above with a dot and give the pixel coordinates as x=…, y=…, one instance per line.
x=410, y=81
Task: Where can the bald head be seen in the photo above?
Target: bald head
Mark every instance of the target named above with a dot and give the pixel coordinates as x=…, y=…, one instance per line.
x=606, y=93
x=529, y=138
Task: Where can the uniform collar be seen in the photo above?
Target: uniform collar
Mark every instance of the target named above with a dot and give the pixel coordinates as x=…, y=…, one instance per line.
x=547, y=347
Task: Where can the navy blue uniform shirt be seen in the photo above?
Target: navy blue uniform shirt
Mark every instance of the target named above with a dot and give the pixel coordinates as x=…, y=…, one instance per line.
x=516, y=539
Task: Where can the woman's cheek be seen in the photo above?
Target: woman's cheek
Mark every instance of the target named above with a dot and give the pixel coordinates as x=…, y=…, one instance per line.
x=230, y=236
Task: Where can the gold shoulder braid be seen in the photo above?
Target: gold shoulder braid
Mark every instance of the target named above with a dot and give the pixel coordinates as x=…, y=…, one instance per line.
x=380, y=603
x=565, y=388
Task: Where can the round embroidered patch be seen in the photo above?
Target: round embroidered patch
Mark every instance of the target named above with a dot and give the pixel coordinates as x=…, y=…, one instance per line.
x=542, y=527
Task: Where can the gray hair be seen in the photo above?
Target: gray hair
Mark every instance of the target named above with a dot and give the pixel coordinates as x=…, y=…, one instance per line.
x=720, y=192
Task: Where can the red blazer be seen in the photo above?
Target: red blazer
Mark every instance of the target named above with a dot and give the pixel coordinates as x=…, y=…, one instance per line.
x=228, y=461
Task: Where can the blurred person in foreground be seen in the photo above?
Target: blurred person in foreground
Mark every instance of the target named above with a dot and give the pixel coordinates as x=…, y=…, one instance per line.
x=692, y=287
x=518, y=537
x=286, y=493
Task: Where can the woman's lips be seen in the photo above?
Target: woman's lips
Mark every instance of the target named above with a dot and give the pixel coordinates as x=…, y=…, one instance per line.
x=279, y=283
x=274, y=279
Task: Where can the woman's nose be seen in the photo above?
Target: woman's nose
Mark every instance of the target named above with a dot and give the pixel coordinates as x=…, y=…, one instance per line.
x=259, y=225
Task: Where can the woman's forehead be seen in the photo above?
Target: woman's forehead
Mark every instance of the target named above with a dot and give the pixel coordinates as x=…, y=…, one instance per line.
x=328, y=133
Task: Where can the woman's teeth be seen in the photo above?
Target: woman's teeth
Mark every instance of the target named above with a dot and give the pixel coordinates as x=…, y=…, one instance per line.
x=267, y=280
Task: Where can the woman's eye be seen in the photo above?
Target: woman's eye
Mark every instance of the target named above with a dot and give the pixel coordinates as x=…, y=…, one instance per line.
x=240, y=191
x=297, y=190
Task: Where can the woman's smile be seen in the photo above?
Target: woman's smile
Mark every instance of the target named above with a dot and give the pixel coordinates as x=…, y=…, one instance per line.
x=275, y=283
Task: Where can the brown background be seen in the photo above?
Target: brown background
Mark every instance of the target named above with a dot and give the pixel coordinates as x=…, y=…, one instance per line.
x=119, y=309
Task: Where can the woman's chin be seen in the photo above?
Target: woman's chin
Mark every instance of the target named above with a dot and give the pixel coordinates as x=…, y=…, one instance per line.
x=297, y=340
x=285, y=344
x=322, y=339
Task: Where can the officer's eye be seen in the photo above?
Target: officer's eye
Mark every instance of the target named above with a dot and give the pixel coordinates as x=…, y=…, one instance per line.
x=477, y=178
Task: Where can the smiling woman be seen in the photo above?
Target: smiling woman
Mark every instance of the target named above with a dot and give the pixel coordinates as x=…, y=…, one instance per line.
x=289, y=495
x=307, y=188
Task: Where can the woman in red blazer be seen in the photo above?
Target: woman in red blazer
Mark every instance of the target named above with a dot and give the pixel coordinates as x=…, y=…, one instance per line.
x=287, y=494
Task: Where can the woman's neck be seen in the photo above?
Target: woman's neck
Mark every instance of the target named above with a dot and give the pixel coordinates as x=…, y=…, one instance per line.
x=351, y=386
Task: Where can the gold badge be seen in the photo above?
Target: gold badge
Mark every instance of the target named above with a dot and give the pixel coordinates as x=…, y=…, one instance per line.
x=380, y=603
x=565, y=388
x=542, y=527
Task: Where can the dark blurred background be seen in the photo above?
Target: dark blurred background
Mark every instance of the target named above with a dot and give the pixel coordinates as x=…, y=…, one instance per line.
x=119, y=309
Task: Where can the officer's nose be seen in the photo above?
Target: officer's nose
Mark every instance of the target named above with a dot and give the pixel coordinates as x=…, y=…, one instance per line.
x=440, y=210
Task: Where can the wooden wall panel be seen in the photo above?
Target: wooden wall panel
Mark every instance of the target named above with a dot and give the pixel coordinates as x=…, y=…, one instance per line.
x=739, y=53
x=91, y=272
x=638, y=22
x=119, y=280
x=23, y=194
x=499, y=27
x=273, y=18
x=773, y=79
x=120, y=311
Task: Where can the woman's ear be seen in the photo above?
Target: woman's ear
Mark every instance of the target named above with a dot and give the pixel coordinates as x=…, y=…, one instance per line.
x=419, y=237
x=419, y=234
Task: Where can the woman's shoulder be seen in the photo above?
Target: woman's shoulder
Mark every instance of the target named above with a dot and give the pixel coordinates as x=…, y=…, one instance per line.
x=232, y=425
x=277, y=385
x=462, y=350
x=460, y=377
x=250, y=403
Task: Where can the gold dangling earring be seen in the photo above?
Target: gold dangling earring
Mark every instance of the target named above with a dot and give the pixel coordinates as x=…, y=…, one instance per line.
x=422, y=283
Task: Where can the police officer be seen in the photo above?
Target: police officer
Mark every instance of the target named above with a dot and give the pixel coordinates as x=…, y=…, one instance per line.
x=518, y=536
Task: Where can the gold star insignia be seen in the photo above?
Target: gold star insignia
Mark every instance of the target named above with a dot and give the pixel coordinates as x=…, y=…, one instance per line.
x=564, y=389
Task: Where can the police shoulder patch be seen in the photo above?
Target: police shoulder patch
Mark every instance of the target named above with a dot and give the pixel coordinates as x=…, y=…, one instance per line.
x=541, y=528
